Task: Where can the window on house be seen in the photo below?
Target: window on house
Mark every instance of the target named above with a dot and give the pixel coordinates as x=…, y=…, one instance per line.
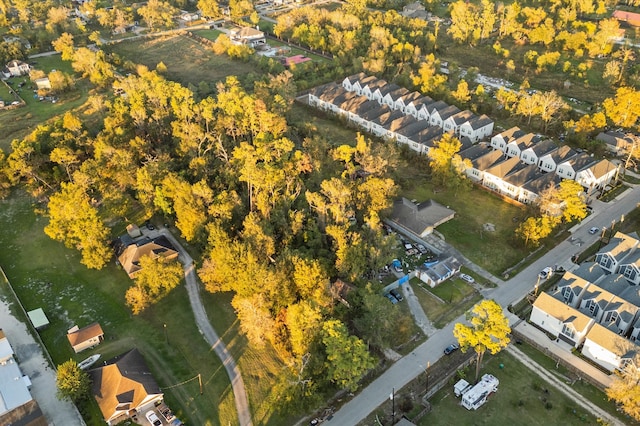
x=568, y=331
x=593, y=307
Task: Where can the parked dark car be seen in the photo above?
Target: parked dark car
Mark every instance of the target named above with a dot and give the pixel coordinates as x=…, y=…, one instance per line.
x=391, y=298
x=150, y=226
x=398, y=295
x=451, y=349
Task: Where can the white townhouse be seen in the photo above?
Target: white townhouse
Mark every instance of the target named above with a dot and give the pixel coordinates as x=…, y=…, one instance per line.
x=515, y=181
x=438, y=116
x=453, y=123
x=421, y=108
x=359, y=83
x=608, y=349
x=619, y=315
x=429, y=110
x=477, y=128
x=532, y=154
x=426, y=139
x=322, y=96
x=369, y=89
x=630, y=267
x=481, y=160
x=570, y=289
x=558, y=319
x=380, y=123
x=530, y=191
x=357, y=113
x=494, y=176
x=595, y=177
x=635, y=331
x=396, y=125
x=594, y=301
x=549, y=163
x=516, y=146
x=614, y=254
x=405, y=100
x=369, y=116
x=349, y=82
x=568, y=169
x=502, y=139
x=388, y=94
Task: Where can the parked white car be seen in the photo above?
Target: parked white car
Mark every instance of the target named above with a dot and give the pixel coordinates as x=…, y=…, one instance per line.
x=153, y=419
x=467, y=278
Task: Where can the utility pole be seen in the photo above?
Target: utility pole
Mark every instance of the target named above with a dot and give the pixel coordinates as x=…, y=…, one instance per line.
x=200, y=381
x=393, y=405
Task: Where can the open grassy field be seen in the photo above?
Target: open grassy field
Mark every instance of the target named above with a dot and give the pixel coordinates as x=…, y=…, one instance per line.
x=523, y=398
x=17, y=123
x=46, y=274
x=186, y=61
x=447, y=301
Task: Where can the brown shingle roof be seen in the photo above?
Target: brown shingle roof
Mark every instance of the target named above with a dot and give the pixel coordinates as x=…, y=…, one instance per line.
x=85, y=333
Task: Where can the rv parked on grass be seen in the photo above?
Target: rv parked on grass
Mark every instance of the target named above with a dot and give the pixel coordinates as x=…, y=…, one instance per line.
x=475, y=397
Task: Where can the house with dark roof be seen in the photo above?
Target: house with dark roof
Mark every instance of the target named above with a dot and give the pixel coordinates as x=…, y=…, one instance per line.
x=568, y=169
x=370, y=88
x=549, y=162
x=596, y=176
x=423, y=107
x=419, y=219
x=361, y=112
x=630, y=267
x=494, y=175
x=388, y=93
x=85, y=337
x=502, y=139
x=570, y=289
x=129, y=252
x=532, y=154
x=434, y=274
x=531, y=190
x=426, y=110
x=477, y=128
x=438, y=116
x=452, y=124
x=611, y=256
x=348, y=82
x=516, y=146
x=124, y=388
x=617, y=143
x=407, y=99
x=514, y=181
x=425, y=139
x=484, y=161
x=380, y=123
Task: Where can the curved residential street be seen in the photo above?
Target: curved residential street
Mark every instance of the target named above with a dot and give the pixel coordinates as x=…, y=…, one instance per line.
x=412, y=365
x=209, y=334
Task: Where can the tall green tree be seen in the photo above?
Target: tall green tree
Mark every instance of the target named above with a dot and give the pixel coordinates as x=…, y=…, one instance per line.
x=488, y=330
x=73, y=384
x=571, y=193
x=156, y=278
x=347, y=356
x=447, y=166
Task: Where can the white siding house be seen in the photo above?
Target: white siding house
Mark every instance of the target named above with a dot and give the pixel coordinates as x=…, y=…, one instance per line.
x=560, y=320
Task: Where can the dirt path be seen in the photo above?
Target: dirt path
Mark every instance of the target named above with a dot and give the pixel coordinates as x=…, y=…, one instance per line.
x=553, y=380
x=209, y=334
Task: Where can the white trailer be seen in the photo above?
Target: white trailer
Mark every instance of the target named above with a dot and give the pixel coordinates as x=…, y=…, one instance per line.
x=475, y=397
x=461, y=387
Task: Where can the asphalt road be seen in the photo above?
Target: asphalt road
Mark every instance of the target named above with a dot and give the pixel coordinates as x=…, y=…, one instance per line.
x=209, y=334
x=413, y=364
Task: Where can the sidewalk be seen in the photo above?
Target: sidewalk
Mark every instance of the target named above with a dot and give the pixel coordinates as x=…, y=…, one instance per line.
x=561, y=350
x=567, y=390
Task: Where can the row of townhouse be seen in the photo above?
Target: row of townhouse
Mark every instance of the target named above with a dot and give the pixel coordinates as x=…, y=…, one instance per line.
x=520, y=165
x=597, y=306
x=515, y=164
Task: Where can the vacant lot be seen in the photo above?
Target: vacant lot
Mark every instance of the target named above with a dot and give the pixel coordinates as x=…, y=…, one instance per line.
x=445, y=302
x=187, y=61
x=46, y=274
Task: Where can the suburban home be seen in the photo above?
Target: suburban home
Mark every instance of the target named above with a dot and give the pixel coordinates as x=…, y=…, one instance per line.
x=387, y=92
x=438, y=116
x=85, y=337
x=549, y=163
x=348, y=82
x=452, y=124
x=485, y=159
x=405, y=100
x=617, y=143
x=533, y=154
x=322, y=97
x=530, y=191
x=248, y=36
x=17, y=68
x=635, y=331
x=558, y=319
x=516, y=146
x=129, y=252
x=404, y=121
x=380, y=123
x=514, y=181
x=608, y=349
x=14, y=386
x=418, y=135
x=421, y=108
x=570, y=168
x=370, y=88
x=434, y=274
x=619, y=315
x=360, y=113
x=494, y=175
x=477, y=128
x=124, y=388
x=415, y=10
x=426, y=110
x=596, y=177
x=630, y=267
x=420, y=219
x=359, y=85
x=611, y=256
x=594, y=301
x=570, y=289
x=502, y=139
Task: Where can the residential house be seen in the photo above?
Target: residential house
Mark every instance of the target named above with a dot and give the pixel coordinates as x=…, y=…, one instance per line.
x=129, y=252
x=514, y=181
x=558, y=319
x=502, y=139
x=477, y=128
x=362, y=112
x=630, y=18
x=248, y=36
x=532, y=154
x=438, y=116
x=630, y=267
x=323, y=97
x=380, y=123
x=124, y=388
x=516, y=146
x=14, y=386
x=570, y=289
x=420, y=219
x=17, y=68
x=452, y=124
x=549, y=162
x=635, y=331
x=595, y=177
x=494, y=175
x=611, y=256
x=415, y=10
x=348, y=82
x=435, y=274
x=407, y=99
x=370, y=88
x=590, y=271
x=619, y=315
x=607, y=349
x=388, y=94
x=427, y=110
x=530, y=191
x=484, y=160
x=617, y=143
x=423, y=140
x=85, y=337
x=594, y=301
x=422, y=108
x=570, y=168
x=360, y=84
x=369, y=116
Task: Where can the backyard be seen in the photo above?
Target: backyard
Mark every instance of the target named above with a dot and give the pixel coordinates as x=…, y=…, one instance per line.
x=446, y=301
x=46, y=274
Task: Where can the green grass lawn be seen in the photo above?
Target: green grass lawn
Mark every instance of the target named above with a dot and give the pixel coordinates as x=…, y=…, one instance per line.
x=186, y=61
x=445, y=302
x=46, y=274
x=208, y=34
x=313, y=121
x=523, y=398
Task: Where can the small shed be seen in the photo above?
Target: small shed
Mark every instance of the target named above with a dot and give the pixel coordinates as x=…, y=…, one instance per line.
x=38, y=318
x=461, y=387
x=86, y=337
x=133, y=230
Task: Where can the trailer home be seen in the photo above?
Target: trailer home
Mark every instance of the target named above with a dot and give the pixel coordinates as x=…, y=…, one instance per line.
x=475, y=397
